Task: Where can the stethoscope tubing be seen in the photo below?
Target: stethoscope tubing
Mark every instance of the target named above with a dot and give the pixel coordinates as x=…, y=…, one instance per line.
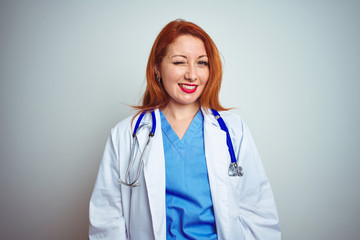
x=228, y=138
x=151, y=134
x=234, y=169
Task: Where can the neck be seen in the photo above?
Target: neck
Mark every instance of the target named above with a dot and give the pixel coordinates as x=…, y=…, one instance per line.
x=180, y=116
x=180, y=112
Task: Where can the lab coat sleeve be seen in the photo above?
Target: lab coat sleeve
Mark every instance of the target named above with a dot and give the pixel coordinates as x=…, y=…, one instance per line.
x=105, y=211
x=258, y=213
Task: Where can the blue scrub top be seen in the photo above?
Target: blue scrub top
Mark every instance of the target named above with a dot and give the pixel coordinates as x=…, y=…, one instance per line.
x=189, y=208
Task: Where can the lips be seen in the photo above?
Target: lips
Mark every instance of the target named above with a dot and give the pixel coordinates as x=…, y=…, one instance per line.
x=188, y=88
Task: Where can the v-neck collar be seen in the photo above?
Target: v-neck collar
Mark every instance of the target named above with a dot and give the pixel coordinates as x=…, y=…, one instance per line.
x=193, y=128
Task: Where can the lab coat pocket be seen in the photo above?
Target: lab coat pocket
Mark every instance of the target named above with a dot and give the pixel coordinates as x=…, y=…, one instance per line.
x=236, y=224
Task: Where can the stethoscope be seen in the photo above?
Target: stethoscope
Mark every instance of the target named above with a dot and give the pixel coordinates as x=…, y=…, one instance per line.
x=234, y=169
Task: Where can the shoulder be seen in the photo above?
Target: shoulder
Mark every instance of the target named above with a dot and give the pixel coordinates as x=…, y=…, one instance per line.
x=231, y=119
x=229, y=116
x=234, y=123
x=122, y=128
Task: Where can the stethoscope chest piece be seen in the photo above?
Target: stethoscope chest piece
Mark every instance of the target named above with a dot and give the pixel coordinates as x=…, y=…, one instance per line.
x=235, y=170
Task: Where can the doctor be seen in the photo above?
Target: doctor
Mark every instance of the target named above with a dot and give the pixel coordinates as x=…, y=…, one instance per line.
x=183, y=190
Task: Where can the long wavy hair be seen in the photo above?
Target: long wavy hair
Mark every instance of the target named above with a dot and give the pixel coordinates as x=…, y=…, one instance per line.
x=155, y=95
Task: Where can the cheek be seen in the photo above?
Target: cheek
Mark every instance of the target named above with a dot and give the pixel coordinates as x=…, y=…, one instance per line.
x=172, y=74
x=205, y=76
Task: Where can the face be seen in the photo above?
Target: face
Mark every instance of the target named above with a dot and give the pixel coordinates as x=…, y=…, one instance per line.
x=184, y=70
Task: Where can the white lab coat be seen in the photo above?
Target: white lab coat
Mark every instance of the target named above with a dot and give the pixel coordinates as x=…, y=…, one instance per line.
x=244, y=207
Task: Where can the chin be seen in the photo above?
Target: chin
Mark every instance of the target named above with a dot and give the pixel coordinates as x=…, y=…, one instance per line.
x=189, y=102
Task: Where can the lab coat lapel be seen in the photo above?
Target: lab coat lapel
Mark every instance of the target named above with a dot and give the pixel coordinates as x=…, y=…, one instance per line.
x=217, y=160
x=154, y=174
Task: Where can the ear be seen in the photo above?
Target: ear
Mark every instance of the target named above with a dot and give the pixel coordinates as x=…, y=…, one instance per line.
x=157, y=72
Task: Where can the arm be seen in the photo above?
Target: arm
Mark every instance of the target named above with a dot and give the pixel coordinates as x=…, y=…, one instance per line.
x=105, y=212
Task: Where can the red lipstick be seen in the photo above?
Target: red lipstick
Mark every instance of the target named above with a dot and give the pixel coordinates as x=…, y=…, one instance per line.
x=188, y=88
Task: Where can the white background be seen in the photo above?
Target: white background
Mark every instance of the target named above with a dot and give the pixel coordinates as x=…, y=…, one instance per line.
x=70, y=68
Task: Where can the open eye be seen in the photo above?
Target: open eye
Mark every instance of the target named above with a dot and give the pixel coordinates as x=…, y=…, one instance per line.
x=203, y=63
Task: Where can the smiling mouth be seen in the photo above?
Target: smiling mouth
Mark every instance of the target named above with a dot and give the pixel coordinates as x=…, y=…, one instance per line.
x=188, y=88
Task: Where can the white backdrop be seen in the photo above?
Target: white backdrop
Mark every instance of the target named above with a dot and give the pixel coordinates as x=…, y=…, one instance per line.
x=69, y=69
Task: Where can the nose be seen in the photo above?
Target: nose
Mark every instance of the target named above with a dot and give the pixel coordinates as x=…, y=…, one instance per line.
x=191, y=73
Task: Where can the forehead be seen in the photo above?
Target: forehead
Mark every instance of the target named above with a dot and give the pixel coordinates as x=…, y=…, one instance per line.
x=188, y=45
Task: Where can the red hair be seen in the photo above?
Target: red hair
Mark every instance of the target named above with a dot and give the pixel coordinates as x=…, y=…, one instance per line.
x=155, y=95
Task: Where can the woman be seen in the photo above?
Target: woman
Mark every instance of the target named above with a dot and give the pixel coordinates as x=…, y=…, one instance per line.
x=184, y=189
